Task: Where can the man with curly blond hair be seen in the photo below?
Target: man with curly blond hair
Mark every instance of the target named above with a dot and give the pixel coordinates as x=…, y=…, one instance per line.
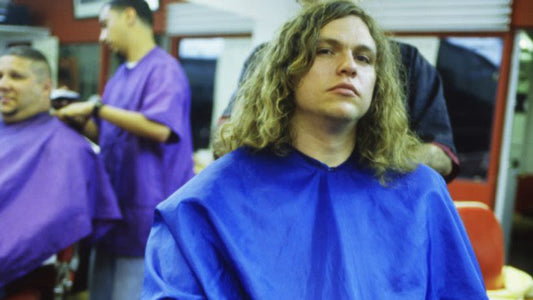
x=425, y=104
x=317, y=194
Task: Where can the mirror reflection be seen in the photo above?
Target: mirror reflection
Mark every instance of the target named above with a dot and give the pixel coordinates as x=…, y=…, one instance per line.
x=469, y=68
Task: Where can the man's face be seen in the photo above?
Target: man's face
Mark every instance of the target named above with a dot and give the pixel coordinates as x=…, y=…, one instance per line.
x=340, y=83
x=22, y=92
x=113, y=29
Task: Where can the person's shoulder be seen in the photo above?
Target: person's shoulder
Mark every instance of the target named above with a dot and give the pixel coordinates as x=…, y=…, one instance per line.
x=160, y=57
x=423, y=179
x=422, y=188
x=409, y=53
x=221, y=179
x=160, y=63
x=425, y=171
x=405, y=47
x=66, y=138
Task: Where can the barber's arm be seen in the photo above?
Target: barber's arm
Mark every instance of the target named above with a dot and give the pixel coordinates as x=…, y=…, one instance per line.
x=131, y=121
x=435, y=157
x=428, y=114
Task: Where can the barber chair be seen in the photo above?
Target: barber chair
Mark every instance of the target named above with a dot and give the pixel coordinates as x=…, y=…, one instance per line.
x=51, y=281
x=486, y=237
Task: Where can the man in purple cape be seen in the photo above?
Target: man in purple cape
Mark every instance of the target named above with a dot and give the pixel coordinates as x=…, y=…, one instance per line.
x=142, y=126
x=53, y=188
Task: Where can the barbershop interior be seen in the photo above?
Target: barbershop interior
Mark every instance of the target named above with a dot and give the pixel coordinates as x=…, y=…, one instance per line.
x=482, y=50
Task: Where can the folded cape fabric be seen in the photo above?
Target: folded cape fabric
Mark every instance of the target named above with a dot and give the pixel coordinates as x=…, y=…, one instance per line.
x=53, y=192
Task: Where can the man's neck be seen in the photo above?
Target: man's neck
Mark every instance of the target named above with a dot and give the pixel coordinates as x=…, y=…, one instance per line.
x=18, y=117
x=331, y=144
x=140, y=46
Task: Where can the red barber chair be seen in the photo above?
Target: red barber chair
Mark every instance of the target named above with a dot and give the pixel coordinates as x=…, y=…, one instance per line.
x=486, y=237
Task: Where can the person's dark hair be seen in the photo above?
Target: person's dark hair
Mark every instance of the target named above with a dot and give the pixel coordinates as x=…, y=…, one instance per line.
x=141, y=7
x=41, y=68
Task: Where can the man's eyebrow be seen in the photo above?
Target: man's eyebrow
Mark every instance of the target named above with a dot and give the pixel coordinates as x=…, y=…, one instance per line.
x=330, y=41
x=365, y=48
x=336, y=43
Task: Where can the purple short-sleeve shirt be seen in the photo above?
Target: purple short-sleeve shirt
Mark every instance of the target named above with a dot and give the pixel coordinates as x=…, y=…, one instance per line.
x=144, y=172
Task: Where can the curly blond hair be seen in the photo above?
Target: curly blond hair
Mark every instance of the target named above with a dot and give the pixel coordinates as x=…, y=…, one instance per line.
x=265, y=101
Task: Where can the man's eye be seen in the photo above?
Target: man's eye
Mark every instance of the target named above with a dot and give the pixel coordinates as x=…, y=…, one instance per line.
x=363, y=58
x=324, y=51
x=16, y=76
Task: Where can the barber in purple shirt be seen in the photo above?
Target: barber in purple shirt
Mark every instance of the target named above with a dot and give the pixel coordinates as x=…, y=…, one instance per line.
x=142, y=126
x=54, y=190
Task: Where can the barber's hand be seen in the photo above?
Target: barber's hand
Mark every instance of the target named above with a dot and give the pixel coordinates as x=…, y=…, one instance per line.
x=75, y=114
x=77, y=109
x=433, y=156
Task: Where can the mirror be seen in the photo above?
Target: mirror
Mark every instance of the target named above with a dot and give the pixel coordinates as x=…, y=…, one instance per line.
x=469, y=68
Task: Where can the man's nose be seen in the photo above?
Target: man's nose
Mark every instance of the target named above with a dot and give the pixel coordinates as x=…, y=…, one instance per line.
x=348, y=65
x=4, y=82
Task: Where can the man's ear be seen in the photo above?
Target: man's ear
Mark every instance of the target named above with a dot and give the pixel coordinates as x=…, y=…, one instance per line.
x=131, y=15
x=47, y=88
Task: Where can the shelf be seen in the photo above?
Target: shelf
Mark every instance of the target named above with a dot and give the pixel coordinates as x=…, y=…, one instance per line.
x=17, y=31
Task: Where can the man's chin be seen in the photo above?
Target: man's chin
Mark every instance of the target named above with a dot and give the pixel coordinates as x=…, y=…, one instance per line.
x=8, y=112
x=345, y=113
x=8, y=116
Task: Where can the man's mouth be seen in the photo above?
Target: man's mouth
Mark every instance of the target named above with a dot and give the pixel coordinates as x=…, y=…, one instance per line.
x=345, y=89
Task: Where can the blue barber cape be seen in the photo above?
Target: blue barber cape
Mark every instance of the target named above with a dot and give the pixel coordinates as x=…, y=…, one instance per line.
x=254, y=225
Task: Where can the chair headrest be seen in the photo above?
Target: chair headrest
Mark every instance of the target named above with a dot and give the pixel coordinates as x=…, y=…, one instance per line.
x=486, y=237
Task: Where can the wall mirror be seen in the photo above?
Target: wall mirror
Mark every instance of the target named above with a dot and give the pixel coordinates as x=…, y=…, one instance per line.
x=469, y=68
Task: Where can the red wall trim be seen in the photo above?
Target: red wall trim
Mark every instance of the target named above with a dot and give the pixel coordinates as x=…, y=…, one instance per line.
x=58, y=15
x=522, y=15
x=104, y=68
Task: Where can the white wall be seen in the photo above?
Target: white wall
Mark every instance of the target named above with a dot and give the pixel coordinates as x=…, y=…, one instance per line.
x=49, y=46
x=428, y=46
x=229, y=67
x=268, y=15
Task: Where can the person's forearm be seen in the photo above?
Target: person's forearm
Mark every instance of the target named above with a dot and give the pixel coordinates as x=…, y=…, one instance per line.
x=135, y=123
x=90, y=130
x=433, y=156
x=131, y=121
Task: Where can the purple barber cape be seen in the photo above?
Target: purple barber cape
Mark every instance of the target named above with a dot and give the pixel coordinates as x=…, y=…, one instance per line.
x=53, y=192
x=144, y=172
